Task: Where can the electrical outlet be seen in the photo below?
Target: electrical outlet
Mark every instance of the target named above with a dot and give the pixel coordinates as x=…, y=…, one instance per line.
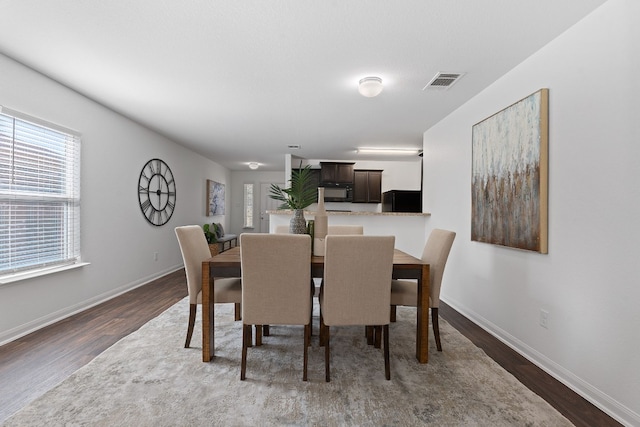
x=544, y=318
x=155, y=256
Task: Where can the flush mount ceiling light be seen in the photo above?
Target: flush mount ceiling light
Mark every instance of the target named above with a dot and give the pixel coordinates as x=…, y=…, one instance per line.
x=394, y=151
x=370, y=86
x=254, y=165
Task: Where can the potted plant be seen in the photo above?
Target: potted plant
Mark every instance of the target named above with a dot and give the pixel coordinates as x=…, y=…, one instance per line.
x=212, y=239
x=296, y=197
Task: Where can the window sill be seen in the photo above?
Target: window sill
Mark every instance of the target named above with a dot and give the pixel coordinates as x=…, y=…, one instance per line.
x=11, y=278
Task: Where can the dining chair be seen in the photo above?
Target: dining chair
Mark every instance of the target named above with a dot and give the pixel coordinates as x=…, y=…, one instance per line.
x=282, y=229
x=356, y=289
x=195, y=249
x=405, y=292
x=332, y=229
x=276, y=272
x=345, y=229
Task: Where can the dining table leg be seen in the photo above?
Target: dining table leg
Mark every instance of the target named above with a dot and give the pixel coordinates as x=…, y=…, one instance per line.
x=422, y=329
x=207, y=313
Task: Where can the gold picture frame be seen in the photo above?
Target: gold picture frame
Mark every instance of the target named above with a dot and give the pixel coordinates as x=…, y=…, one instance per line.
x=510, y=175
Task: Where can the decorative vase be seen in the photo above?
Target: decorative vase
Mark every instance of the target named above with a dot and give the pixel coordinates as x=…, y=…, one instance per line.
x=298, y=225
x=320, y=225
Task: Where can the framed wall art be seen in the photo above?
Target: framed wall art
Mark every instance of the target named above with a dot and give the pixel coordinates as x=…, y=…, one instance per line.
x=509, y=187
x=215, y=198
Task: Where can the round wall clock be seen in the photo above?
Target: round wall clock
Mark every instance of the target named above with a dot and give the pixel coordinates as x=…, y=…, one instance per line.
x=157, y=192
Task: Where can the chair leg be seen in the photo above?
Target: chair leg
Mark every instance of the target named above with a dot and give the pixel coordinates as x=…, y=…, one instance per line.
x=327, y=356
x=192, y=322
x=392, y=313
x=313, y=291
x=368, y=331
x=377, y=339
x=311, y=313
x=321, y=331
x=436, y=327
x=238, y=311
x=258, y=335
x=387, y=367
x=246, y=337
x=307, y=340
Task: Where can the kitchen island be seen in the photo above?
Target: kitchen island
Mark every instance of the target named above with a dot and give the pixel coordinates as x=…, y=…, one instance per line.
x=408, y=227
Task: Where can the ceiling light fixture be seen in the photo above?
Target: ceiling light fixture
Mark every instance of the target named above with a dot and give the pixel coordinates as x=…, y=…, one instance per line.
x=370, y=86
x=254, y=165
x=394, y=151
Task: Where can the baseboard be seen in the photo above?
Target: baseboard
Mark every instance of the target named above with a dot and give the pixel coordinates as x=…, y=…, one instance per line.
x=601, y=400
x=22, y=330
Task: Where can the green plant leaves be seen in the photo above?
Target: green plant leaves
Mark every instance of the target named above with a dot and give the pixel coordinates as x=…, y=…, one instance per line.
x=300, y=194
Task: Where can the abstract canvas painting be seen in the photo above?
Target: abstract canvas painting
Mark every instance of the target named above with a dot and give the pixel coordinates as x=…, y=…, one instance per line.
x=215, y=198
x=510, y=176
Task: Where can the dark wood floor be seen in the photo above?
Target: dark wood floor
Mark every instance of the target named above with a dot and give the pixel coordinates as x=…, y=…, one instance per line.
x=37, y=362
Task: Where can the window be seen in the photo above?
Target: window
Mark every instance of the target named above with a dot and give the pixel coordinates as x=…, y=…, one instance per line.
x=39, y=194
x=248, y=206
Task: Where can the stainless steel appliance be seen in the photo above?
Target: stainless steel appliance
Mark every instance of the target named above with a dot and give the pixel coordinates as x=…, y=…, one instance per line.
x=402, y=201
x=338, y=193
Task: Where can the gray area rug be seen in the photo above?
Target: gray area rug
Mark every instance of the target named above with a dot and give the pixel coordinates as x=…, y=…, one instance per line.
x=149, y=379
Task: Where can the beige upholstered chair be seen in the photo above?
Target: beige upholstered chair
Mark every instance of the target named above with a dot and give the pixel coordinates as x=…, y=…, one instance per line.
x=357, y=287
x=336, y=230
x=276, y=272
x=195, y=249
x=282, y=229
x=405, y=292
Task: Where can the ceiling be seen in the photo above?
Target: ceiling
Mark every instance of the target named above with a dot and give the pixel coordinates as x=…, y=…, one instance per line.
x=239, y=81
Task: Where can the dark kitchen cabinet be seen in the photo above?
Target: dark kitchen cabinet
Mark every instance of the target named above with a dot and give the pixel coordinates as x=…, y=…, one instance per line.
x=314, y=181
x=367, y=186
x=336, y=173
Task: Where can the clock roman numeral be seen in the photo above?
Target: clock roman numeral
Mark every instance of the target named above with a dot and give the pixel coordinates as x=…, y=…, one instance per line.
x=146, y=205
x=144, y=176
x=152, y=214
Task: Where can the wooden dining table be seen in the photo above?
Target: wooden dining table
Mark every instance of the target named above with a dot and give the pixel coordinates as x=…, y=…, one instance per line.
x=227, y=264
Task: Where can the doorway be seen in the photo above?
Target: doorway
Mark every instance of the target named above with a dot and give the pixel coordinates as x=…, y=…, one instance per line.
x=266, y=204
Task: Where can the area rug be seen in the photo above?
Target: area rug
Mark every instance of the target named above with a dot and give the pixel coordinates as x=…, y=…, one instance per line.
x=149, y=379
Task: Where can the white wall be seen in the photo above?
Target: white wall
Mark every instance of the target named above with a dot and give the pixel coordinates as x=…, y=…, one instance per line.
x=589, y=280
x=116, y=239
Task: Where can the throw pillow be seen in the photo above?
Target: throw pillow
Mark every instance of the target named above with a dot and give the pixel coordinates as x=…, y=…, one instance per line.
x=216, y=230
x=221, y=230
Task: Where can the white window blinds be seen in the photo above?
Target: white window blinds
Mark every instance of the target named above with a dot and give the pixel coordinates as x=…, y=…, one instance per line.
x=39, y=194
x=248, y=206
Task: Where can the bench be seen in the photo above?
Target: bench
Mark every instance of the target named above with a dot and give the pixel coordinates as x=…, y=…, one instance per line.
x=227, y=241
x=218, y=239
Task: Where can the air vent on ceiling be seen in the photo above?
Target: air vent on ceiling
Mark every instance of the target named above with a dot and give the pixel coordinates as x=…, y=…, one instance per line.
x=293, y=146
x=443, y=81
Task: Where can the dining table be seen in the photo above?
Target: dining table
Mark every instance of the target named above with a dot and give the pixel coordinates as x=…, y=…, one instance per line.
x=228, y=264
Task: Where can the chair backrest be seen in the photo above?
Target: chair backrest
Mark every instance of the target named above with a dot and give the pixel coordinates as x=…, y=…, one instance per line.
x=195, y=249
x=282, y=229
x=345, y=229
x=276, y=277
x=332, y=229
x=436, y=252
x=357, y=280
